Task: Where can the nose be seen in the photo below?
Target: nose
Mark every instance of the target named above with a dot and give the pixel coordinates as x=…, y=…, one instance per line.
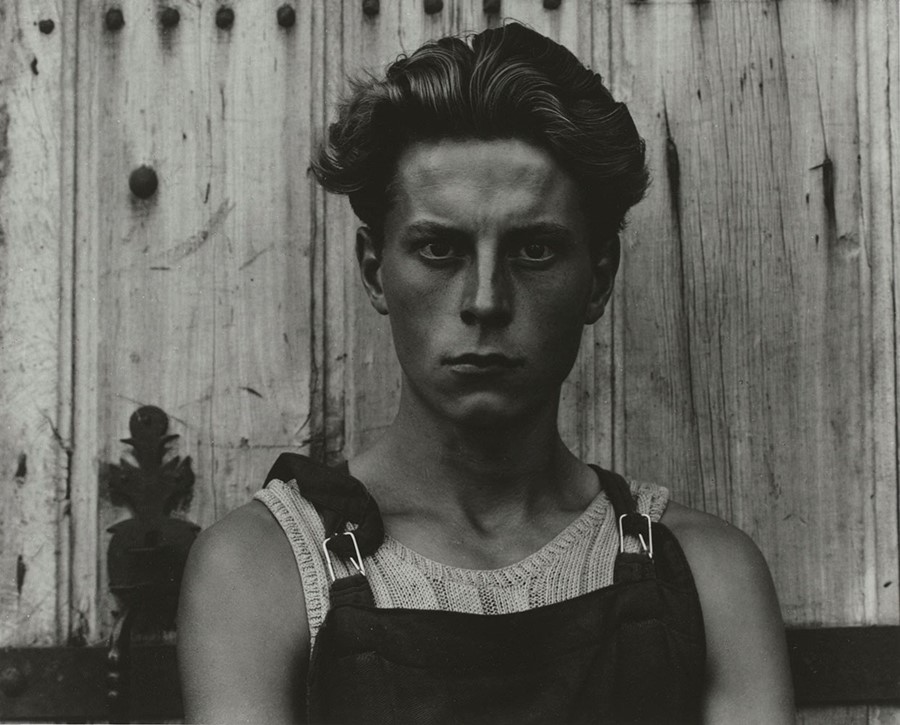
x=487, y=297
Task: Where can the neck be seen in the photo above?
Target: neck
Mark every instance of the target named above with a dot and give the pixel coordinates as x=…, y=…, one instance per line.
x=428, y=466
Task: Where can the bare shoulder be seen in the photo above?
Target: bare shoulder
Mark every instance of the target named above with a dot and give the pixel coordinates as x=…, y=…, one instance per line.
x=246, y=536
x=748, y=676
x=709, y=541
x=243, y=637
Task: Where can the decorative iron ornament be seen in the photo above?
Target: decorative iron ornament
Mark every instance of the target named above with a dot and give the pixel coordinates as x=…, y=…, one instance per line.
x=147, y=553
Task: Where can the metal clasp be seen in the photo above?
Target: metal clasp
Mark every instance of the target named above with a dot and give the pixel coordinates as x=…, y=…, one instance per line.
x=357, y=562
x=647, y=545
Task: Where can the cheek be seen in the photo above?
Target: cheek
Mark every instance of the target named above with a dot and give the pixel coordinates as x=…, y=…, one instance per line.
x=558, y=321
x=418, y=308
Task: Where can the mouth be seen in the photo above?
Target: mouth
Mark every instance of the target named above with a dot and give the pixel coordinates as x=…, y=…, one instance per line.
x=475, y=363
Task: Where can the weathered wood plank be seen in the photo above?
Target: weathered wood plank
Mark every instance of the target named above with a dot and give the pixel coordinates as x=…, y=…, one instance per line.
x=749, y=302
x=34, y=346
x=202, y=291
x=878, y=80
x=264, y=368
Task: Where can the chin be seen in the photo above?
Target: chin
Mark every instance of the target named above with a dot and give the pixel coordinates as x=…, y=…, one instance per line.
x=487, y=412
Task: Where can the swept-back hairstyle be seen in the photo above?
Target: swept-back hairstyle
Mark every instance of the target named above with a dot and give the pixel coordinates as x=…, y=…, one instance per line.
x=509, y=82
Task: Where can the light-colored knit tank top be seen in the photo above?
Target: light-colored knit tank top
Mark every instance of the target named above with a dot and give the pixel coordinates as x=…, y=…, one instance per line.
x=578, y=560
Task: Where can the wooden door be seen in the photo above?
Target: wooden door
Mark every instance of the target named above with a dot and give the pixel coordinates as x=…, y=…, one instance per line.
x=748, y=361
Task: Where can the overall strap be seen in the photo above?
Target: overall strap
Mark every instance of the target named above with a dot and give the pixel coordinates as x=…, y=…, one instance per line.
x=629, y=566
x=339, y=499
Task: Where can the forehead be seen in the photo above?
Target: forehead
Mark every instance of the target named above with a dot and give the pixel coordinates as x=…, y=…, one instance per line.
x=473, y=183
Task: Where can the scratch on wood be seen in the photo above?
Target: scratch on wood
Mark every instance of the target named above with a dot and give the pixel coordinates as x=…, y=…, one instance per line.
x=254, y=257
x=4, y=141
x=34, y=65
x=251, y=391
x=673, y=171
x=196, y=241
x=22, y=466
x=57, y=436
x=21, y=570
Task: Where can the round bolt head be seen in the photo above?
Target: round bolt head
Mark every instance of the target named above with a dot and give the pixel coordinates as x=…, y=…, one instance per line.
x=224, y=18
x=552, y=4
x=12, y=681
x=371, y=8
x=169, y=18
x=114, y=19
x=143, y=182
x=287, y=16
x=491, y=7
x=46, y=26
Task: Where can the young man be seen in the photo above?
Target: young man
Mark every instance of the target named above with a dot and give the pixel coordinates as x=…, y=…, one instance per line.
x=511, y=582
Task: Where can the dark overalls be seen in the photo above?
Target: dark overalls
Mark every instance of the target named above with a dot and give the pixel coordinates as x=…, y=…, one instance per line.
x=630, y=652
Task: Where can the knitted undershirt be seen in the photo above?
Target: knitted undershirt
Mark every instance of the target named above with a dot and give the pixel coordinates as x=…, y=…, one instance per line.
x=578, y=560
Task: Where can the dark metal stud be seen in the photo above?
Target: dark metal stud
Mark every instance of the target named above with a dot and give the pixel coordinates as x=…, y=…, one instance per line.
x=287, y=16
x=143, y=182
x=552, y=4
x=46, y=26
x=491, y=7
x=12, y=681
x=169, y=18
x=115, y=20
x=371, y=8
x=224, y=18
x=432, y=7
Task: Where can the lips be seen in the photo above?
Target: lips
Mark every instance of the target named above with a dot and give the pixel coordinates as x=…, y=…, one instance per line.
x=476, y=363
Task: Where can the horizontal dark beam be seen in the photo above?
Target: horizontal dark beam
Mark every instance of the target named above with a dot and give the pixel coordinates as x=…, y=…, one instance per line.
x=68, y=684
x=845, y=665
x=831, y=666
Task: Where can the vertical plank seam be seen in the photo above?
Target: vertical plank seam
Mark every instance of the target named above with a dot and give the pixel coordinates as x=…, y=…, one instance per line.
x=892, y=117
x=66, y=412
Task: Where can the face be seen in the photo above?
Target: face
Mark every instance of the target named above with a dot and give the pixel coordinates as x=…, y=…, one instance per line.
x=487, y=278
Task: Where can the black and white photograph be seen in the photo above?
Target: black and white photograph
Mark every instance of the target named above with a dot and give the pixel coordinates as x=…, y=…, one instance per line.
x=450, y=361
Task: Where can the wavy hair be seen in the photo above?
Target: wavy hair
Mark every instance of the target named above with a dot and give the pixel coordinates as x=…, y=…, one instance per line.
x=508, y=82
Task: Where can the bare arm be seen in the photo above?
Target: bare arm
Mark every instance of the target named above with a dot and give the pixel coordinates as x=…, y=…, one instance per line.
x=243, y=638
x=748, y=676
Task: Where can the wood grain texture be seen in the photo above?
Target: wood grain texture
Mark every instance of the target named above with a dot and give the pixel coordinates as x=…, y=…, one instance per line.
x=198, y=299
x=33, y=350
x=752, y=317
x=748, y=360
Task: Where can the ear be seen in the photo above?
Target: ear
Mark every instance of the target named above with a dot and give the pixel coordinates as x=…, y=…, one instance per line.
x=604, y=275
x=368, y=255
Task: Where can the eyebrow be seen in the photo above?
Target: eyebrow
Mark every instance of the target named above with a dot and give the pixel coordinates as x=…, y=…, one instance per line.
x=538, y=229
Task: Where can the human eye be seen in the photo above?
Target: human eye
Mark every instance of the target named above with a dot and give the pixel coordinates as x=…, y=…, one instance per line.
x=534, y=252
x=438, y=250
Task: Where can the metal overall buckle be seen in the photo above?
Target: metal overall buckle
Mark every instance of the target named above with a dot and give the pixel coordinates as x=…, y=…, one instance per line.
x=357, y=562
x=646, y=545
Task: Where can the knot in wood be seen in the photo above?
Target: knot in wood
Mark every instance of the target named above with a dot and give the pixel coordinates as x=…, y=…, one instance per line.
x=371, y=8
x=491, y=7
x=432, y=7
